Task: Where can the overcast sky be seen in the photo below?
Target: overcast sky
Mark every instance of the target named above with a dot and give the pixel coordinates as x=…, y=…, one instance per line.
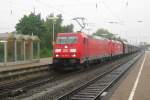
x=99, y=13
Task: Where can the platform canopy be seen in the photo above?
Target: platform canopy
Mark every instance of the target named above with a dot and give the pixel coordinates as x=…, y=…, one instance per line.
x=8, y=36
x=18, y=48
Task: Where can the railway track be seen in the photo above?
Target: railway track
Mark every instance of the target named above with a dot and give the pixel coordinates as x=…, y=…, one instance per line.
x=15, y=73
x=12, y=80
x=95, y=88
x=24, y=84
x=15, y=88
x=52, y=92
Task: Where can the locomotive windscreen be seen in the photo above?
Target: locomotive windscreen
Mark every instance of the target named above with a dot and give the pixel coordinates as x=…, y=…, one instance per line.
x=66, y=40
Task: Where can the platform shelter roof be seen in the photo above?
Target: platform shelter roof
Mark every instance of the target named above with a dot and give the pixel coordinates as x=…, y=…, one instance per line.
x=8, y=36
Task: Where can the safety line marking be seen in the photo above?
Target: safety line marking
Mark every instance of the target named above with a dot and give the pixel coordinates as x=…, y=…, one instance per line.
x=137, y=80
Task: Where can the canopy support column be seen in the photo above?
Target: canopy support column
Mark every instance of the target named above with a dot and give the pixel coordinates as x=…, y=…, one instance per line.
x=38, y=50
x=31, y=50
x=15, y=50
x=5, y=53
x=24, y=50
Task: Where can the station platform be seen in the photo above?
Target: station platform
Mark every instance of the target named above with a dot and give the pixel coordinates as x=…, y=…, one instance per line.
x=136, y=86
x=42, y=61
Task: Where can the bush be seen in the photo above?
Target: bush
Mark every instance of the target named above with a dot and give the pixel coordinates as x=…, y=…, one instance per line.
x=45, y=53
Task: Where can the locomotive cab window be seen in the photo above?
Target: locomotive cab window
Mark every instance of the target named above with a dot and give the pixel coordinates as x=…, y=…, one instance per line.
x=66, y=40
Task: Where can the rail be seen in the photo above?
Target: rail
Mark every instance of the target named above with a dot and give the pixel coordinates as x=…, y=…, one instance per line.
x=93, y=89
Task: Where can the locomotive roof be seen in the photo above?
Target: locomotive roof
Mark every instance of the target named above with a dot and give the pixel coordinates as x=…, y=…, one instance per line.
x=86, y=35
x=116, y=41
x=99, y=37
x=67, y=33
x=72, y=34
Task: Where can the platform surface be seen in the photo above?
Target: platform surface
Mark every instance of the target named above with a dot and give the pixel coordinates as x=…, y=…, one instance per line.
x=136, y=86
x=43, y=61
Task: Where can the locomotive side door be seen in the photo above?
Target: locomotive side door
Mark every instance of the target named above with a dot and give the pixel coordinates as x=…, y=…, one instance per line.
x=86, y=49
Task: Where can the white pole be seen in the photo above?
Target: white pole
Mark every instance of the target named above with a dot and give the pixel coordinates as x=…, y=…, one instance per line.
x=31, y=50
x=24, y=47
x=5, y=53
x=53, y=30
x=53, y=19
x=15, y=50
x=38, y=50
x=53, y=36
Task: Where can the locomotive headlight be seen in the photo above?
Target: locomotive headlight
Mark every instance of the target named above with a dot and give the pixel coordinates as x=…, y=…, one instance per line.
x=57, y=55
x=57, y=50
x=74, y=55
x=73, y=50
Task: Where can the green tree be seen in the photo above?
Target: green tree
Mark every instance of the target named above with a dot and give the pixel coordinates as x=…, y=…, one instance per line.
x=68, y=28
x=42, y=28
x=31, y=24
x=104, y=33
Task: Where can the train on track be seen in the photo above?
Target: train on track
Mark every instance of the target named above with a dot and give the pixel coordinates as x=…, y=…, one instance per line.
x=74, y=49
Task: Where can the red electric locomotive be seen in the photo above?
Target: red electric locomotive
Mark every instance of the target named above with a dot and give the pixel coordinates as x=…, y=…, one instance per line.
x=72, y=49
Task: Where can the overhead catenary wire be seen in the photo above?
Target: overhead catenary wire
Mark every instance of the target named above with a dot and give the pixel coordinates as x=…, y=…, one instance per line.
x=47, y=5
x=10, y=3
x=66, y=13
x=52, y=7
x=81, y=23
x=113, y=15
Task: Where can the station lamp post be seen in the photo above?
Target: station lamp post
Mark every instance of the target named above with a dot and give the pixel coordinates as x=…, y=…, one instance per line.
x=138, y=21
x=54, y=20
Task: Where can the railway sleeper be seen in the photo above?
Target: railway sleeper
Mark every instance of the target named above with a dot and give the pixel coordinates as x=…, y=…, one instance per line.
x=82, y=97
